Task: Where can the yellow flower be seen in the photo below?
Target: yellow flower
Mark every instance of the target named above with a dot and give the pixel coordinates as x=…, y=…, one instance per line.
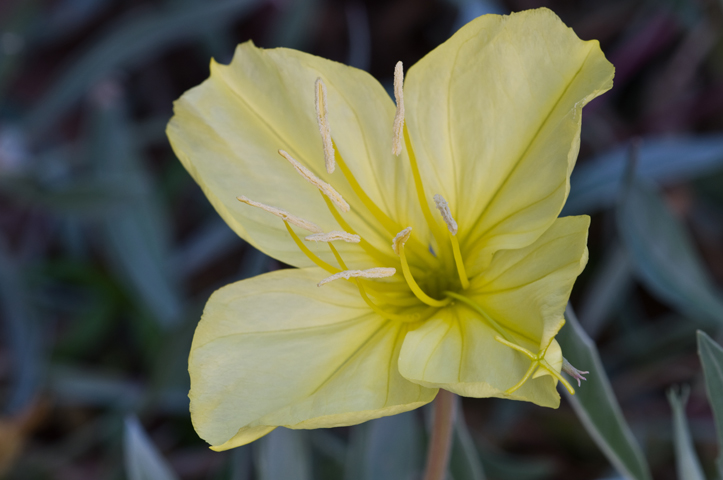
x=476, y=160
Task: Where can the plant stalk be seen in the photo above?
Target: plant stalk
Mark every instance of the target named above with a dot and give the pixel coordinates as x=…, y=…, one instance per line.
x=440, y=443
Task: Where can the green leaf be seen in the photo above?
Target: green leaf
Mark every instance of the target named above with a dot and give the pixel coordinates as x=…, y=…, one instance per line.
x=686, y=461
x=595, y=184
x=464, y=461
x=596, y=406
x=133, y=41
x=135, y=236
x=664, y=255
x=142, y=459
x=284, y=454
x=711, y=356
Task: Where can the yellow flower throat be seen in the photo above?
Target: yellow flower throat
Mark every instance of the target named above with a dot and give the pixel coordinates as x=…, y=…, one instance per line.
x=389, y=300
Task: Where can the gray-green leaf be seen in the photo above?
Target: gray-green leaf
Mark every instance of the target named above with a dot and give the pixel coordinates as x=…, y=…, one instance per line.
x=663, y=254
x=142, y=459
x=686, y=461
x=711, y=356
x=596, y=406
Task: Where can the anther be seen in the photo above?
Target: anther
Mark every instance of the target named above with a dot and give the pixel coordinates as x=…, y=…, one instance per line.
x=380, y=272
x=443, y=208
x=325, y=188
x=401, y=238
x=572, y=371
x=397, y=139
x=323, y=122
x=284, y=215
x=333, y=236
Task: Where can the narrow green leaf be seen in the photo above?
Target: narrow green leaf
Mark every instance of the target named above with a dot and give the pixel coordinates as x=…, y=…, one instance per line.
x=596, y=406
x=664, y=255
x=135, y=236
x=711, y=356
x=133, y=41
x=686, y=460
x=142, y=459
x=284, y=454
x=464, y=461
x=595, y=184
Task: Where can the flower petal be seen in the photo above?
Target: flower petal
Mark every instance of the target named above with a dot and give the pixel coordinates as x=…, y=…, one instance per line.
x=530, y=287
x=525, y=291
x=456, y=351
x=227, y=132
x=276, y=350
x=494, y=117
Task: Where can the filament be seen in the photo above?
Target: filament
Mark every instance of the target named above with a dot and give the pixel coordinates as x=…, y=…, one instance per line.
x=423, y=297
x=389, y=316
x=366, y=246
x=420, y=190
x=458, y=260
x=318, y=261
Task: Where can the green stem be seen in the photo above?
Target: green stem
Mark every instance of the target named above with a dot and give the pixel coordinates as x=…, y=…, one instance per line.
x=441, y=441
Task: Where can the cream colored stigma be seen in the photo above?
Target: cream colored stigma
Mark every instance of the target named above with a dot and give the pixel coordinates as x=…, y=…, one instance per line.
x=333, y=236
x=401, y=238
x=379, y=272
x=572, y=371
x=284, y=215
x=443, y=208
x=323, y=122
x=397, y=140
x=325, y=188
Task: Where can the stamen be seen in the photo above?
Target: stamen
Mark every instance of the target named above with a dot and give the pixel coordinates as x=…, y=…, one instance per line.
x=401, y=238
x=443, y=208
x=419, y=186
x=321, y=120
x=399, y=116
x=379, y=272
x=333, y=236
x=284, y=215
x=573, y=372
x=387, y=223
x=366, y=246
x=318, y=261
x=383, y=313
x=325, y=188
x=398, y=247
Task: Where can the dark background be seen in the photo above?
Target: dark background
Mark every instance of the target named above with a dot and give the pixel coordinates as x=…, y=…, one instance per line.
x=108, y=249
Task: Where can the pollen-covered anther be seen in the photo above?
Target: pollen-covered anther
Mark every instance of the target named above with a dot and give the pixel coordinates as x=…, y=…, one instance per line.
x=284, y=215
x=399, y=116
x=443, y=208
x=400, y=239
x=379, y=272
x=325, y=188
x=572, y=371
x=323, y=122
x=333, y=236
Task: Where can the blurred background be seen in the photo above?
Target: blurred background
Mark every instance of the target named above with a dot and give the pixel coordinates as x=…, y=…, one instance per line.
x=109, y=251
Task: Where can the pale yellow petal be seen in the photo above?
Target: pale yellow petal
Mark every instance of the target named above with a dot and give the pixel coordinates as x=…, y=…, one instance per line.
x=457, y=351
x=530, y=287
x=227, y=132
x=276, y=350
x=494, y=117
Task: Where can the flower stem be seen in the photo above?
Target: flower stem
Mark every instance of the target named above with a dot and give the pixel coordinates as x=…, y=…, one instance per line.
x=441, y=441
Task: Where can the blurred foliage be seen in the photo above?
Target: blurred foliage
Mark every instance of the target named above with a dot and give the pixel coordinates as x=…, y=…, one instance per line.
x=108, y=250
